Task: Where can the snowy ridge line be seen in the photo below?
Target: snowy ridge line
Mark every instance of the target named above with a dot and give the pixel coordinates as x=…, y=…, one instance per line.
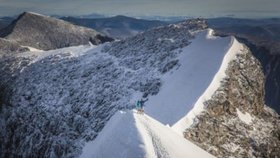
x=38, y=55
x=128, y=134
x=41, y=54
x=182, y=87
x=185, y=122
x=38, y=14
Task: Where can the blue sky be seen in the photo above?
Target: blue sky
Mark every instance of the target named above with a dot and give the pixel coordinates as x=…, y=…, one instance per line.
x=196, y=8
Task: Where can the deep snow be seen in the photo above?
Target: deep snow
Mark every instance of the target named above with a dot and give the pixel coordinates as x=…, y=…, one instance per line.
x=128, y=134
x=199, y=62
x=185, y=122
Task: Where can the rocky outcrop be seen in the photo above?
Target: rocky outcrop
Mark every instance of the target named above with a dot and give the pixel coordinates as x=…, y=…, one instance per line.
x=271, y=67
x=236, y=122
x=45, y=33
x=265, y=46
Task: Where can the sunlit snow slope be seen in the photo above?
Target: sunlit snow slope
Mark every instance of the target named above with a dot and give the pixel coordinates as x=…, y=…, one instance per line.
x=186, y=121
x=129, y=134
x=199, y=62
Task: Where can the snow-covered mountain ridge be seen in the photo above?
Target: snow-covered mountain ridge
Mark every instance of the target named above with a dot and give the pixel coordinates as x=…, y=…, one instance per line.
x=220, y=122
x=144, y=137
x=53, y=102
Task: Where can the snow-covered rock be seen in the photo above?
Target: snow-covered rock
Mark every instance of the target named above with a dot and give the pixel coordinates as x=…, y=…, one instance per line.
x=231, y=119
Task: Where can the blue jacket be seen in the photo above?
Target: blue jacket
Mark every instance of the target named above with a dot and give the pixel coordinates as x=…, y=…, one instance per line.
x=138, y=104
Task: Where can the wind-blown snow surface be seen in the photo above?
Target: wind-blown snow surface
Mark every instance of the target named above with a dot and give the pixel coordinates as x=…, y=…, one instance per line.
x=182, y=87
x=185, y=122
x=128, y=135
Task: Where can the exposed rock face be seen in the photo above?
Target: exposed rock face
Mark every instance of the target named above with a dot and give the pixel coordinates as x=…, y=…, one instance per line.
x=271, y=67
x=42, y=32
x=220, y=129
x=262, y=37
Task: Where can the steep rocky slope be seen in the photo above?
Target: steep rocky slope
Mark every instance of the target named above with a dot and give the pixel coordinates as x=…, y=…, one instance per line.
x=235, y=121
x=43, y=32
x=271, y=68
x=262, y=36
x=55, y=101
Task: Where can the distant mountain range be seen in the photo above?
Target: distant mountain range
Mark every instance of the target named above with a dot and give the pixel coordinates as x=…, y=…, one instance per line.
x=91, y=16
x=117, y=26
x=229, y=22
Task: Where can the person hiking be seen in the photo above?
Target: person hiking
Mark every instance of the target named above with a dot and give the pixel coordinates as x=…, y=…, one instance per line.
x=140, y=106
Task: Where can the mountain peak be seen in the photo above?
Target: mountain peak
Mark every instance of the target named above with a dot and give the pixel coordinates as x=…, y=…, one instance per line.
x=26, y=13
x=44, y=32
